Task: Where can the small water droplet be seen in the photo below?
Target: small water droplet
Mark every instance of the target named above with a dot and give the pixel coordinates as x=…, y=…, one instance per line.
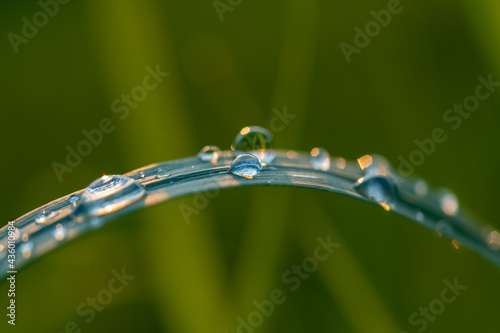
x=161, y=173
x=108, y=194
x=25, y=237
x=245, y=165
x=449, y=202
x=320, y=159
x=421, y=188
x=60, y=232
x=493, y=240
x=74, y=198
x=26, y=249
x=255, y=140
x=209, y=153
x=142, y=175
x=41, y=218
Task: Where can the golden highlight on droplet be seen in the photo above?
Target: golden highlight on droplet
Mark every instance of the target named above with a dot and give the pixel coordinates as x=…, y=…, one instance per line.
x=385, y=206
x=455, y=244
x=360, y=180
x=365, y=161
x=245, y=130
x=1, y=248
x=25, y=237
x=341, y=163
x=315, y=152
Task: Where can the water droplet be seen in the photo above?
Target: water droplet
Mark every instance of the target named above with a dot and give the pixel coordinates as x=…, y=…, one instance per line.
x=209, y=153
x=60, y=232
x=161, y=173
x=26, y=249
x=245, y=165
x=421, y=188
x=341, y=163
x=142, y=175
x=320, y=159
x=378, y=183
x=257, y=141
x=74, y=198
x=108, y=194
x=493, y=240
x=449, y=202
x=41, y=218
x=380, y=189
x=25, y=237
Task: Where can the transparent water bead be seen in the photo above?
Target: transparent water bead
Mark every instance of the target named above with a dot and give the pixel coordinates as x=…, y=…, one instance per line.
x=378, y=183
x=257, y=141
x=209, y=153
x=74, y=198
x=245, y=165
x=320, y=159
x=108, y=194
x=380, y=189
x=161, y=173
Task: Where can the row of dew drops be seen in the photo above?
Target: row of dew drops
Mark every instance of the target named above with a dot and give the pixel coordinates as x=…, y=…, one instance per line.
x=254, y=149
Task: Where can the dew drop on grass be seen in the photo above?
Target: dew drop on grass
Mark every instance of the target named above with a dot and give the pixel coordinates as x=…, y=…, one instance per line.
x=320, y=159
x=378, y=183
x=209, y=153
x=449, y=202
x=245, y=165
x=108, y=194
x=257, y=141
x=74, y=198
x=161, y=173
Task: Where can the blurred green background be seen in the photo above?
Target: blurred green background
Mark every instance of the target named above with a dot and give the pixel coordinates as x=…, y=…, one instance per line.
x=200, y=277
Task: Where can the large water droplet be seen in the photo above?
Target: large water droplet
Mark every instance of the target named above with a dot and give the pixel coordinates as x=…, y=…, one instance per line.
x=378, y=183
x=320, y=159
x=209, y=153
x=380, y=189
x=257, y=141
x=108, y=194
x=245, y=165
